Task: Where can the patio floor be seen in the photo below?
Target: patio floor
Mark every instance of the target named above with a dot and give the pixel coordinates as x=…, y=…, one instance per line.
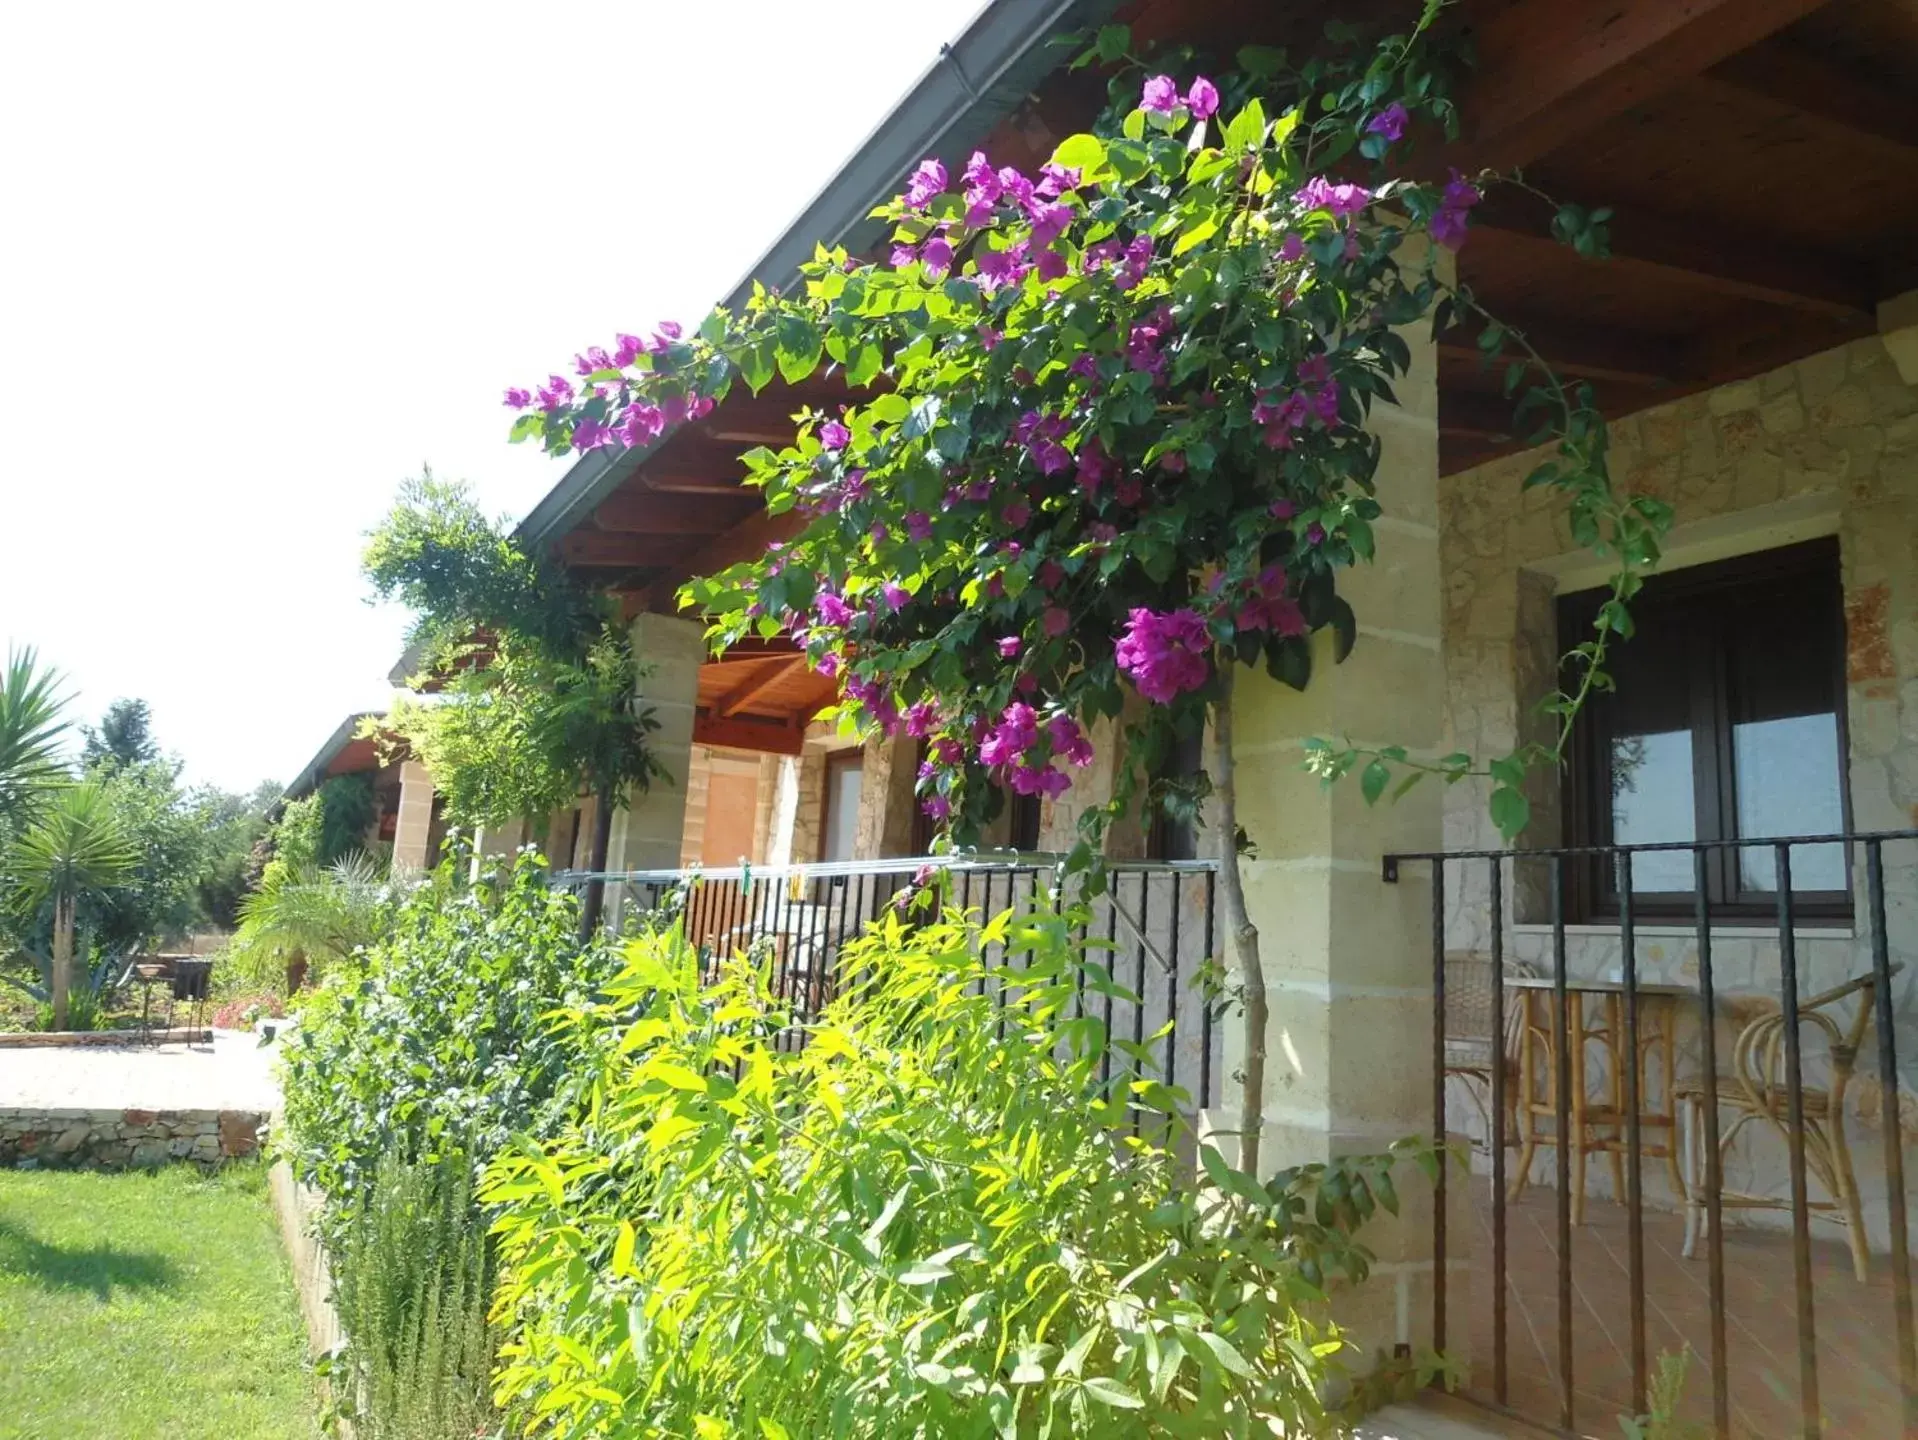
x=1854, y=1322
x=234, y=1073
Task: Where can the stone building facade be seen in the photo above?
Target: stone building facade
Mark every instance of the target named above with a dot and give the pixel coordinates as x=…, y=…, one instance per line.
x=1825, y=447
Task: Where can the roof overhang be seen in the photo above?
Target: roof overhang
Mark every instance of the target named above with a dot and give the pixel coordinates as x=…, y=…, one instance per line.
x=975, y=84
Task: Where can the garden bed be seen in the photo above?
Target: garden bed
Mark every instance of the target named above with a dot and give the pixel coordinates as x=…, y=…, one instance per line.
x=148, y=1305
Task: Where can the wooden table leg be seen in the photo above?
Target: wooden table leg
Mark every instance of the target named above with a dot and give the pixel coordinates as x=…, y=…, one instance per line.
x=1527, y=1094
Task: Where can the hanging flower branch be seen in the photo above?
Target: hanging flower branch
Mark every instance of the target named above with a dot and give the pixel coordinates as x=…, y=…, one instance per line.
x=1109, y=428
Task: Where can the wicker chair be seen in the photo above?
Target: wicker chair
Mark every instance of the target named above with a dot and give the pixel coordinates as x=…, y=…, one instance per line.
x=1468, y=1034
x=1757, y=1089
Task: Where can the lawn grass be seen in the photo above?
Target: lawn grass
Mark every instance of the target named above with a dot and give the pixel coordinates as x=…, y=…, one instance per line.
x=147, y=1304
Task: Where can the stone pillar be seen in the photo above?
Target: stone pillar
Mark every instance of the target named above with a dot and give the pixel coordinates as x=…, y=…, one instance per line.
x=496, y=842
x=1347, y=958
x=413, y=831
x=648, y=833
x=1092, y=786
x=887, y=805
x=1898, y=323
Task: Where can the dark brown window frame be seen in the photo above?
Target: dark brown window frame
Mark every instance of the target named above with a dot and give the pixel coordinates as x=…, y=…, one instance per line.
x=1705, y=596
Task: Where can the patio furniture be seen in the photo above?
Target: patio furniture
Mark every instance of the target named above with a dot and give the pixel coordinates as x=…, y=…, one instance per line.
x=1597, y=1125
x=1468, y=1035
x=1758, y=1089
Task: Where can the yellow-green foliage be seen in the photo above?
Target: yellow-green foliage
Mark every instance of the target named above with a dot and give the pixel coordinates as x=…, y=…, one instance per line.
x=931, y=1220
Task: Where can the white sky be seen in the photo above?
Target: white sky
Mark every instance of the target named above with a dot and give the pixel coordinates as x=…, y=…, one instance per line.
x=259, y=262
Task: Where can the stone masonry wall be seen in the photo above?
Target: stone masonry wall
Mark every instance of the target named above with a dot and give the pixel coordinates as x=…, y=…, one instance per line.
x=1825, y=446
x=124, y=1139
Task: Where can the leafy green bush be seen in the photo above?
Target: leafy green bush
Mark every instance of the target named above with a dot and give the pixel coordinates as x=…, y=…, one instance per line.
x=926, y=1222
x=412, y=1282
x=441, y=1036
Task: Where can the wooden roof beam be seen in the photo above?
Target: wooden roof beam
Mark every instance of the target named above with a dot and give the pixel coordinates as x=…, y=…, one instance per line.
x=753, y=686
x=1698, y=256
x=746, y=732
x=1550, y=72
x=1587, y=352
x=603, y=550
x=693, y=514
x=1851, y=107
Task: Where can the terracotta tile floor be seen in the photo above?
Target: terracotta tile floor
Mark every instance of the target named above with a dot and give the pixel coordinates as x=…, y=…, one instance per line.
x=1856, y=1344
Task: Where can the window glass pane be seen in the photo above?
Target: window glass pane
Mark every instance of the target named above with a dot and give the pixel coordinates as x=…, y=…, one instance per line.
x=1649, y=751
x=1652, y=802
x=1788, y=785
x=1784, y=709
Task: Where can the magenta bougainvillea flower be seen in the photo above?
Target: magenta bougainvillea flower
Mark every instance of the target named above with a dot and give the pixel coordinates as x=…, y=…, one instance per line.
x=927, y=181
x=557, y=391
x=1341, y=199
x=1163, y=654
x=519, y=399
x=1389, y=122
x=1161, y=95
x=1449, y=224
x=833, y=435
x=832, y=610
x=1202, y=99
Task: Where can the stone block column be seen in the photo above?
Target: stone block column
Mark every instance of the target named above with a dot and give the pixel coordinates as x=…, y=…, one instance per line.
x=1347, y=959
x=649, y=833
x=413, y=831
x=887, y=806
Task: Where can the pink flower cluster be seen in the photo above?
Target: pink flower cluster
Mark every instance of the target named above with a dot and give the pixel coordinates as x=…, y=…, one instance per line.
x=1013, y=750
x=1164, y=654
x=1264, y=605
x=1161, y=97
x=1283, y=415
x=1043, y=437
x=1342, y=199
x=1450, y=221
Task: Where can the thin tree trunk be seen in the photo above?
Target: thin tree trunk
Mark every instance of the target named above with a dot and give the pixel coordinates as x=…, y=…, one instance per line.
x=1245, y=935
x=62, y=977
x=595, y=897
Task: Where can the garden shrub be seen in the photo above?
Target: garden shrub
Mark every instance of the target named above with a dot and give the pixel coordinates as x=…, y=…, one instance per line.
x=413, y=1285
x=929, y=1221
x=441, y=1036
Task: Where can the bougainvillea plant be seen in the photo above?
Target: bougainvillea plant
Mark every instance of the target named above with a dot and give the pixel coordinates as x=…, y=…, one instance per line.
x=1108, y=433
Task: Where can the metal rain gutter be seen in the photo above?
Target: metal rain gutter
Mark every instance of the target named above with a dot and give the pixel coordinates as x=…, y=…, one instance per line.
x=976, y=82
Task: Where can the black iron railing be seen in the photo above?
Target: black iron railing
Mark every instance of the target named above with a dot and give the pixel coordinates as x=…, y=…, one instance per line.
x=1153, y=929
x=1754, y=1080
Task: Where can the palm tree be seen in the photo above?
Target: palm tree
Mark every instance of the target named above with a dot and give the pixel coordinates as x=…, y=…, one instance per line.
x=314, y=916
x=31, y=727
x=77, y=847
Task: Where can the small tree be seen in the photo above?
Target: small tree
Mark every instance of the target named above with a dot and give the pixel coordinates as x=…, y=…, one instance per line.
x=76, y=849
x=124, y=737
x=541, y=697
x=1111, y=435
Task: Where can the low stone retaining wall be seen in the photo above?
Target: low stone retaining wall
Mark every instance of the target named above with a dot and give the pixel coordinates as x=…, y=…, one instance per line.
x=43, y=1039
x=54, y=1139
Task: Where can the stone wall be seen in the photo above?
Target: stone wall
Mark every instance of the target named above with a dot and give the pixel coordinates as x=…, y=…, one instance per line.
x=60, y=1139
x=699, y=779
x=1826, y=446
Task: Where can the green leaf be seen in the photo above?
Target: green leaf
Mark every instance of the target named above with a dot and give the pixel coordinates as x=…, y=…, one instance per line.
x=1084, y=153
x=1196, y=236
x=1511, y=811
x=1247, y=128
x=865, y=365
x=1373, y=779
x=1224, y=1351
x=1108, y=1391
